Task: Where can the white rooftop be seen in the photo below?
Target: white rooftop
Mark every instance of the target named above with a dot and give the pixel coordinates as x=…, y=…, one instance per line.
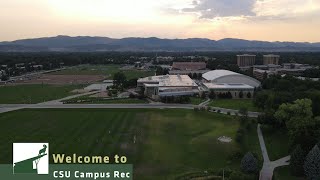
x=168, y=81
x=211, y=75
x=227, y=86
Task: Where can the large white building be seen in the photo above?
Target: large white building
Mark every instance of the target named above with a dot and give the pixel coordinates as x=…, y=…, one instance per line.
x=167, y=85
x=224, y=81
x=225, y=76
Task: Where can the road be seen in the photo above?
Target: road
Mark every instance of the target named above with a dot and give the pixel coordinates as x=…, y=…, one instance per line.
x=58, y=105
x=268, y=167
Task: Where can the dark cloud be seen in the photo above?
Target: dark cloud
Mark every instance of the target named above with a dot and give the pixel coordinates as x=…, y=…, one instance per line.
x=195, y=3
x=222, y=8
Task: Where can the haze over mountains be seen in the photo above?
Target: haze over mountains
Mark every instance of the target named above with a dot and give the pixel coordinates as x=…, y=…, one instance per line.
x=94, y=44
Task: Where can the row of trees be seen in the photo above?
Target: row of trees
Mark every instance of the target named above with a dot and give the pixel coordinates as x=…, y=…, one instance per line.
x=278, y=90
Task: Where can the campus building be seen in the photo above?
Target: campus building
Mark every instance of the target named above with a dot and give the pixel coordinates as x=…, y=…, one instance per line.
x=293, y=69
x=224, y=81
x=185, y=68
x=156, y=87
x=246, y=60
x=271, y=59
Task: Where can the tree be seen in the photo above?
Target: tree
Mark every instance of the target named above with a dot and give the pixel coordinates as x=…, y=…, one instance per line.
x=212, y=94
x=249, y=95
x=159, y=71
x=202, y=95
x=300, y=108
x=119, y=79
x=249, y=164
x=312, y=164
x=297, y=161
x=298, y=119
x=243, y=111
x=241, y=94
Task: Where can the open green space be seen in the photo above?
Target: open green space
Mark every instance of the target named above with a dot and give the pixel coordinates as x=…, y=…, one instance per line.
x=283, y=173
x=161, y=144
x=196, y=100
x=234, y=104
x=94, y=100
x=30, y=94
x=107, y=70
x=277, y=142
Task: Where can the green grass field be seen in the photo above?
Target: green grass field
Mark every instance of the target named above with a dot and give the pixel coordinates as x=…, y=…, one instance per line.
x=277, y=142
x=168, y=142
x=283, y=173
x=107, y=70
x=196, y=100
x=26, y=94
x=93, y=100
x=234, y=104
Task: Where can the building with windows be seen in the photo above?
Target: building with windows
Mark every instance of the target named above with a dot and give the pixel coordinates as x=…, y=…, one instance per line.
x=271, y=59
x=246, y=60
x=236, y=90
x=156, y=87
x=186, y=68
x=225, y=76
x=228, y=82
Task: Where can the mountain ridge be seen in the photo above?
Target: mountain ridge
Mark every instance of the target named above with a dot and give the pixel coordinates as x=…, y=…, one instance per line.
x=98, y=43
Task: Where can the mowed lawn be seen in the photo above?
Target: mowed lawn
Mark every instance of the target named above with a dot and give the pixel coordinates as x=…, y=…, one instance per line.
x=167, y=142
x=277, y=142
x=234, y=104
x=30, y=94
x=107, y=70
x=196, y=100
x=94, y=100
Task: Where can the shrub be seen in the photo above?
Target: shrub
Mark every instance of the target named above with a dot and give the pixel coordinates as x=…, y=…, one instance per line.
x=228, y=113
x=296, y=161
x=312, y=164
x=240, y=134
x=249, y=164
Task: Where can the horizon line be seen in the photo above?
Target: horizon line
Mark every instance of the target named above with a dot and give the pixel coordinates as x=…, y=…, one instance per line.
x=32, y=38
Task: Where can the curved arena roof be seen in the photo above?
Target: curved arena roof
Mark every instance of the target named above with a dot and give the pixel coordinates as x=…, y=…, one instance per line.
x=225, y=76
x=212, y=75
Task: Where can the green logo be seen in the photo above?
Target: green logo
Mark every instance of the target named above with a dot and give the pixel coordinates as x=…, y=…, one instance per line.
x=30, y=158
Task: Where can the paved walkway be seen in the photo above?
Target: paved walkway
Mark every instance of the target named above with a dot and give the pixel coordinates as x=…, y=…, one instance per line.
x=268, y=167
x=205, y=103
x=13, y=107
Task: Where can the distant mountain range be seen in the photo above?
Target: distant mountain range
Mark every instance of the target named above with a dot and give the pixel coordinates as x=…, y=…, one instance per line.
x=95, y=44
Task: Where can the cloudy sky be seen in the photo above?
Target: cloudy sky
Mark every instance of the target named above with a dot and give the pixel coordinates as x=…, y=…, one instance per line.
x=271, y=20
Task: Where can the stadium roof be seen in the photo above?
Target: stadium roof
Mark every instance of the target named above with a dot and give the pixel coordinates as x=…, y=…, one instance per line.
x=212, y=75
x=225, y=76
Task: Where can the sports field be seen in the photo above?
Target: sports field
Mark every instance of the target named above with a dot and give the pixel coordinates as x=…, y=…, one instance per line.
x=30, y=94
x=167, y=142
x=106, y=70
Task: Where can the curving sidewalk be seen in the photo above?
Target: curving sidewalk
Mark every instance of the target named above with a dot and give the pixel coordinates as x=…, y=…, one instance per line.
x=268, y=167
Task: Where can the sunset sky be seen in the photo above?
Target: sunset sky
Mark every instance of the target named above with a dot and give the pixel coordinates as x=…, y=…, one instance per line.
x=271, y=20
